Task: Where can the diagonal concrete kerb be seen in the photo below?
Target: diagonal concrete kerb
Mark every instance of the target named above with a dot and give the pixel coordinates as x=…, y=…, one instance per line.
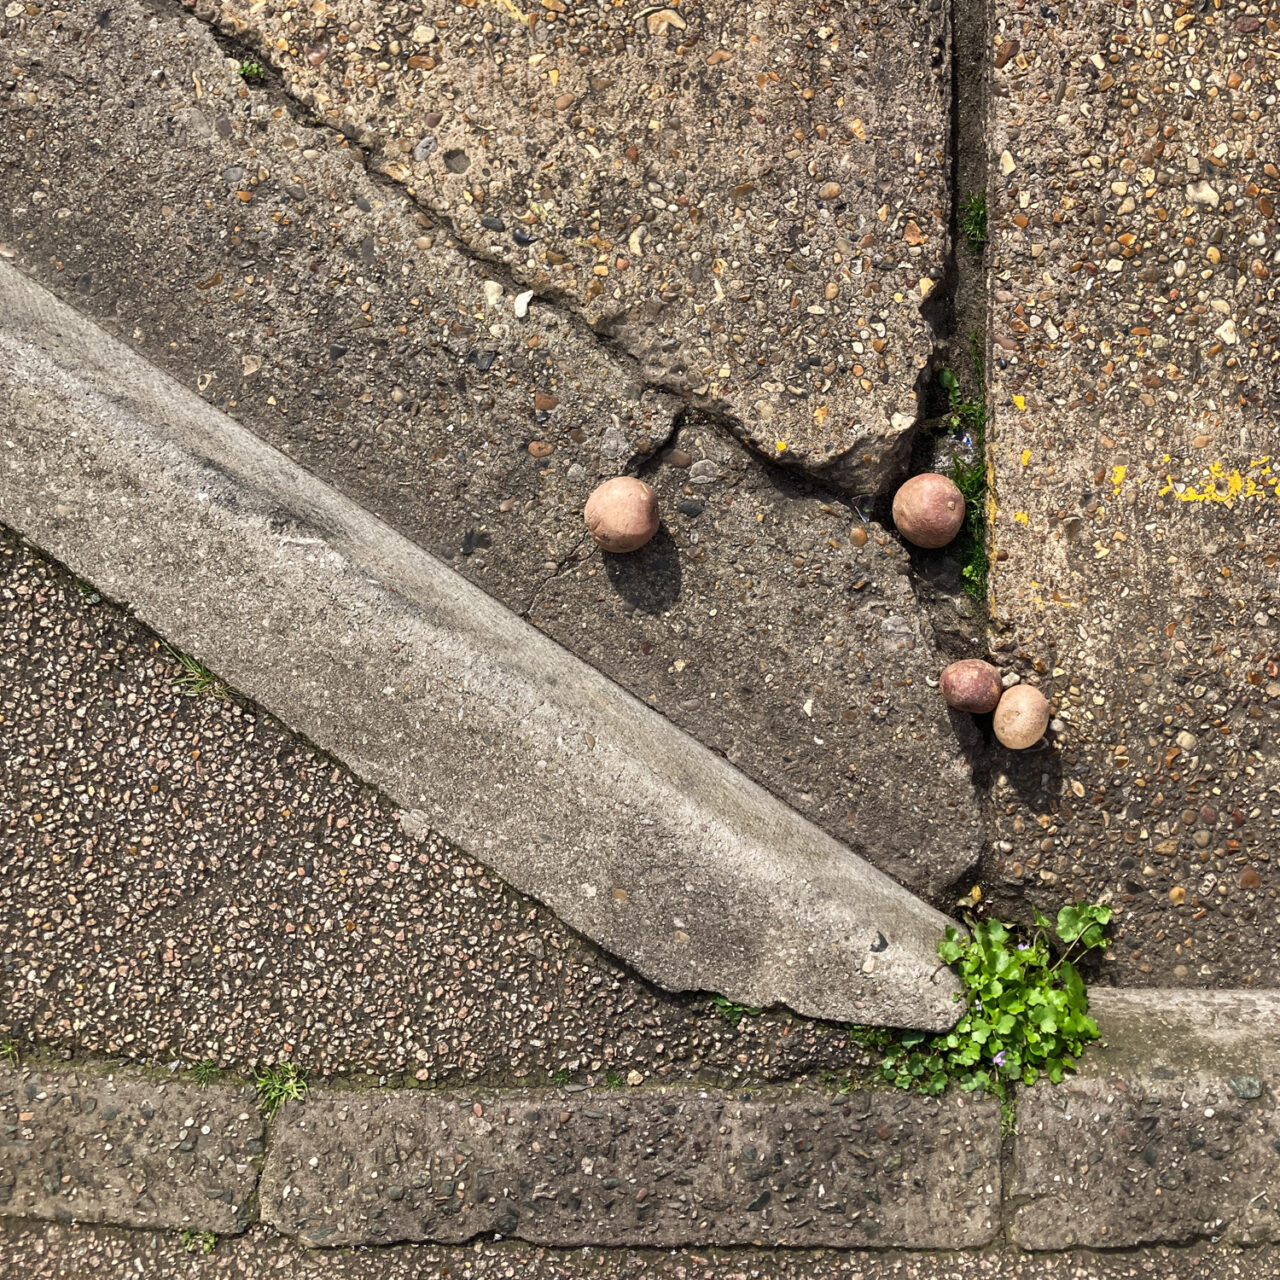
x=505, y=743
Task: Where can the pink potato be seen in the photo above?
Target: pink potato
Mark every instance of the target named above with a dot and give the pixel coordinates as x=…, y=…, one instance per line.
x=928, y=510
x=622, y=514
x=971, y=685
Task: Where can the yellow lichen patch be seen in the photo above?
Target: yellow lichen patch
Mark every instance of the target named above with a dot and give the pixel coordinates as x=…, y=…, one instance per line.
x=1117, y=478
x=1021, y=517
x=1026, y=456
x=1227, y=487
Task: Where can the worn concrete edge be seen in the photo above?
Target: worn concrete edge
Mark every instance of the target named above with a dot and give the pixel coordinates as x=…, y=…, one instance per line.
x=652, y=846
x=1200, y=1032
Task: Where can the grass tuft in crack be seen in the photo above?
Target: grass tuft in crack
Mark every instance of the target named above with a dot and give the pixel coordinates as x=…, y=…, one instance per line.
x=196, y=679
x=973, y=221
x=1027, y=1014
x=9, y=1052
x=278, y=1085
x=733, y=1013
x=206, y=1073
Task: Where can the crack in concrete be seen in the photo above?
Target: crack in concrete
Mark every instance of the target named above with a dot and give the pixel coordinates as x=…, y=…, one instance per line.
x=246, y=45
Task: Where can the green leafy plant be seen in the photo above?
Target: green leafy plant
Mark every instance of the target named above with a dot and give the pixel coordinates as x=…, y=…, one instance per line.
x=1027, y=1014
x=733, y=1013
x=9, y=1052
x=561, y=1077
x=973, y=220
x=196, y=679
x=251, y=71
x=199, y=1241
x=278, y=1085
x=612, y=1080
x=206, y=1072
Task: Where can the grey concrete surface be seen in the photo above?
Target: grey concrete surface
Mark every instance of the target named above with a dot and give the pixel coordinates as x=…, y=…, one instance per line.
x=567, y=786
x=1134, y=385
x=1170, y=1132
x=98, y=1146
x=751, y=199
x=51, y=1252
x=661, y=1167
x=256, y=258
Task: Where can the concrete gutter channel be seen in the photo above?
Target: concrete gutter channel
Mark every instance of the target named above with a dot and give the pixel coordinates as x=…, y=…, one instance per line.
x=1170, y=1133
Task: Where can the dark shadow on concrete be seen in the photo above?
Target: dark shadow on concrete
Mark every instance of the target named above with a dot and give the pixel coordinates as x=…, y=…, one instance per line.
x=648, y=579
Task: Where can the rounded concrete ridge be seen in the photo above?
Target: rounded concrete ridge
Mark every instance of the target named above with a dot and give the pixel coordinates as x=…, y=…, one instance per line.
x=648, y=843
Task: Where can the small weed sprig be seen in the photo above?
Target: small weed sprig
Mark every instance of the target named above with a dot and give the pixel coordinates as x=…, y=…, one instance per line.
x=968, y=415
x=196, y=679
x=973, y=221
x=278, y=1085
x=206, y=1072
x=733, y=1013
x=1027, y=1013
x=251, y=71
x=199, y=1241
x=9, y=1052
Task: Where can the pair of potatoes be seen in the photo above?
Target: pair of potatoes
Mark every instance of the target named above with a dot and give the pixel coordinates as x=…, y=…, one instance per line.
x=1021, y=712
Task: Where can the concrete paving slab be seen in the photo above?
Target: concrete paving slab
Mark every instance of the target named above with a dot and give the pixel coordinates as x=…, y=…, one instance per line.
x=568, y=787
x=661, y=1167
x=1134, y=393
x=53, y=1252
x=1170, y=1131
x=253, y=256
x=752, y=200
x=96, y=1146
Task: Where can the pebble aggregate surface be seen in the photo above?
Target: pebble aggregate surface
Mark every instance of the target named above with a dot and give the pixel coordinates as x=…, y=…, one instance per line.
x=95, y=1147
x=53, y=1252
x=1135, y=379
x=662, y=1167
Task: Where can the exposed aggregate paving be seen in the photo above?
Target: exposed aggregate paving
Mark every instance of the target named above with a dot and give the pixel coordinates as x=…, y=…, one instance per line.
x=101, y=1147
x=1135, y=384
x=52, y=1252
x=658, y=1167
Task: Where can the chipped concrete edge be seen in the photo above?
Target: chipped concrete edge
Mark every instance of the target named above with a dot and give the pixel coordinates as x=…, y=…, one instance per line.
x=506, y=744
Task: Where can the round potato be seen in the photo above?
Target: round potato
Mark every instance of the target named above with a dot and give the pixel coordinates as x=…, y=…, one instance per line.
x=971, y=685
x=1022, y=717
x=622, y=514
x=928, y=510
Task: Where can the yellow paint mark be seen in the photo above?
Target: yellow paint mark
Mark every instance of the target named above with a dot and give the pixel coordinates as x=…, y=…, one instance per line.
x=1020, y=402
x=780, y=445
x=1117, y=478
x=1227, y=487
x=1026, y=456
x=1021, y=517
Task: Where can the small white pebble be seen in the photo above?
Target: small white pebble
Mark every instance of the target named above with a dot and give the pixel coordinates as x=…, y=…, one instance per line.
x=522, y=303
